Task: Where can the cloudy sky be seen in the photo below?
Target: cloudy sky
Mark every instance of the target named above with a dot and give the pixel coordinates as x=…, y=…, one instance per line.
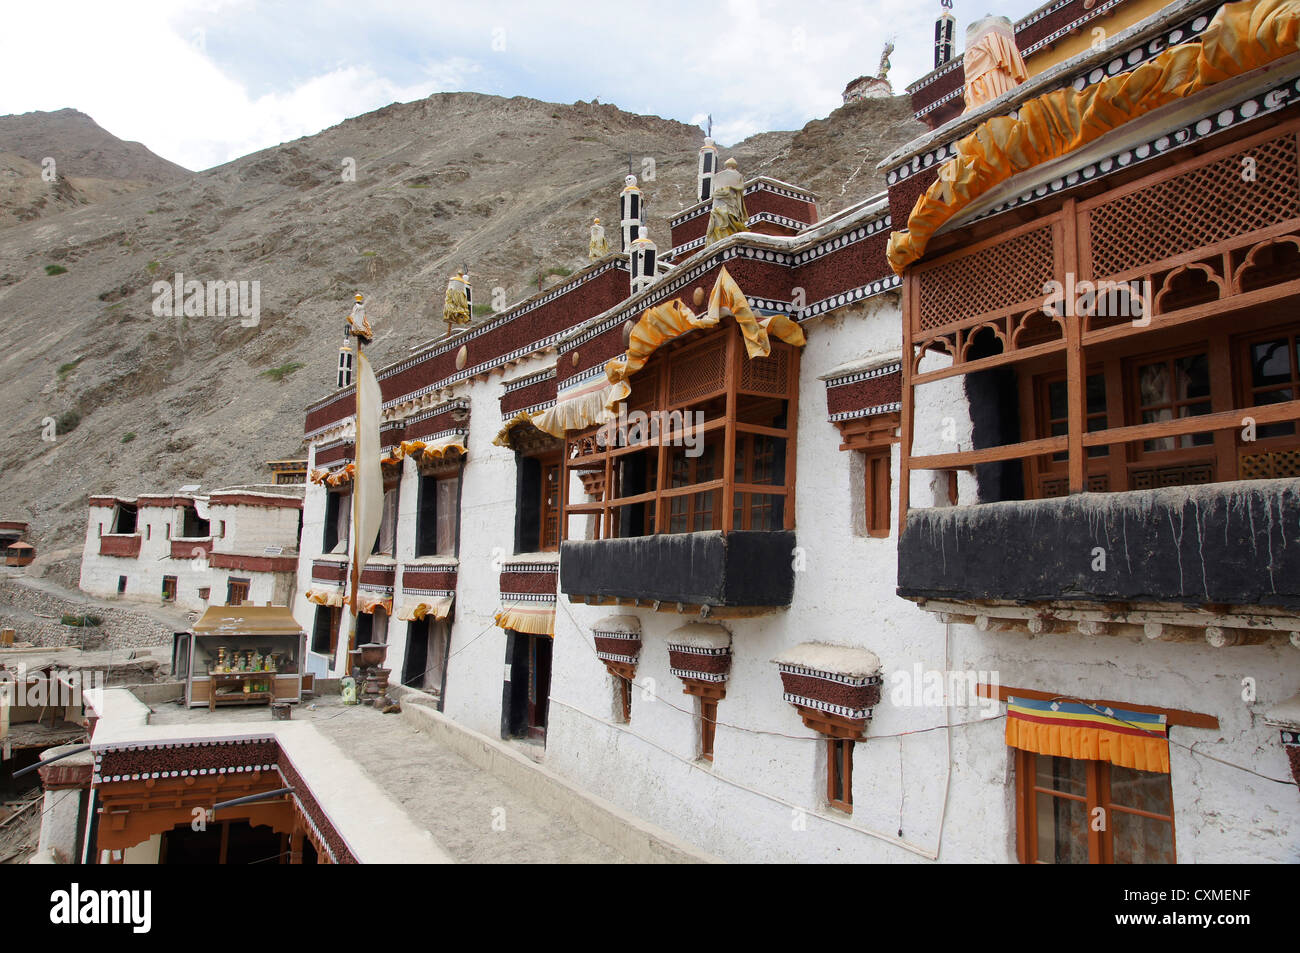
x=201, y=82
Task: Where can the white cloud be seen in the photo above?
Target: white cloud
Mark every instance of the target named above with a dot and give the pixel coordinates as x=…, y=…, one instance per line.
x=163, y=72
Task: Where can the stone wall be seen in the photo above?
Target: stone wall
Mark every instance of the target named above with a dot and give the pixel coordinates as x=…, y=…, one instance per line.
x=34, y=615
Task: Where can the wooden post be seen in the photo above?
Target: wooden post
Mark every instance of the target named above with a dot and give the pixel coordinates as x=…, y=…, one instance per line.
x=905, y=422
x=729, y=432
x=1074, y=366
x=792, y=435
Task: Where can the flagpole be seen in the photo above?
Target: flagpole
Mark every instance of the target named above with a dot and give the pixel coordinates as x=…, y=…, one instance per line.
x=354, y=572
x=356, y=576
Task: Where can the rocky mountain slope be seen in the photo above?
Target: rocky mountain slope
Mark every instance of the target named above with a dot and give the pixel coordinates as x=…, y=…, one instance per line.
x=506, y=187
x=54, y=161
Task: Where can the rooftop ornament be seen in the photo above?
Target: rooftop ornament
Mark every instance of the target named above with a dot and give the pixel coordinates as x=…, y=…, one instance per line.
x=456, y=304
x=598, y=246
x=728, y=216
x=993, y=63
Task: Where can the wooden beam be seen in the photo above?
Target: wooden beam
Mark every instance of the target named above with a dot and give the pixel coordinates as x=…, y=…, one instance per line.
x=968, y=458
x=1174, y=716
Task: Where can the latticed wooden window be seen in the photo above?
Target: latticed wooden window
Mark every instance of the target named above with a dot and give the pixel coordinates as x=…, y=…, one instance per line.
x=702, y=445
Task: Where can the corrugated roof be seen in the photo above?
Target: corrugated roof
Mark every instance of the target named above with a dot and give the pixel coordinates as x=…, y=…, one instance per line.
x=247, y=620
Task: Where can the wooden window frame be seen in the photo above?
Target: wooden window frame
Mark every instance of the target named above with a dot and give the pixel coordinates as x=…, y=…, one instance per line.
x=549, y=516
x=878, y=498
x=708, y=727
x=1133, y=404
x=650, y=393
x=237, y=585
x=1246, y=391
x=839, y=767
x=169, y=588
x=1101, y=846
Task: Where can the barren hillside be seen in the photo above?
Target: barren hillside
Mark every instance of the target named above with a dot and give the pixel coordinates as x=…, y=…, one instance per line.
x=504, y=186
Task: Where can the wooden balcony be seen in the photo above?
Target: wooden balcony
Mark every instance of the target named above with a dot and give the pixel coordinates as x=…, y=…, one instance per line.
x=1210, y=547
x=120, y=544
x=713, y=569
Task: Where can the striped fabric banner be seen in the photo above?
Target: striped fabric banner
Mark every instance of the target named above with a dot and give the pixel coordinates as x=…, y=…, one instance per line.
x=1130, y=739
x=535, y=618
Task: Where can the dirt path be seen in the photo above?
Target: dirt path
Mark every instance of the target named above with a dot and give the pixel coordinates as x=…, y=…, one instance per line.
x=173, y=618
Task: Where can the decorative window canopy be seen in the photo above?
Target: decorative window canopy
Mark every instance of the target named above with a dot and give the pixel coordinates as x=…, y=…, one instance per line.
x=833, y=687
x=577, y=406
x=1129, y=739
x=672, y=319
x=618, y=639
x=334, y=477
x=699, y=653
x=415, y=608
x=325, y=595
x=534, y=618
x=368, y=600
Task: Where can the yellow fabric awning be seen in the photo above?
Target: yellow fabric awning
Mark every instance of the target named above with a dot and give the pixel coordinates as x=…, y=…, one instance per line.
x=502, y=439
x=342, y=475
x=325, y=595
x=1241, y=37
x=673, y=319
x=437, y=449
x=370, y=601
x=577, y=412
x=595, y=402
x=535, y=618
x=415, y=608
x=1138, y=740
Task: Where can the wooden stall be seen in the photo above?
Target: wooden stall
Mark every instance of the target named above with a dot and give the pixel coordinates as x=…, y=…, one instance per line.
x=242, y=655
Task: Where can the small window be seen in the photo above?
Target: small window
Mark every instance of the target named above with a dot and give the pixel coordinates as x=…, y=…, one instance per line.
x=1061, y=800
x=839, y=773
x=169, y=589
x=204, y=593
x=386, y=539
x=148, y=530
x=193, y=526
x=1054, y=409
x=877, y=497
x=124, y=519
x=221, y=532
x=537, y=510
x=708, y=726
x=436, y=519
x=236, y=592
x=622, y=697
x=337, y=522
x=325, y=631
x=121, y=584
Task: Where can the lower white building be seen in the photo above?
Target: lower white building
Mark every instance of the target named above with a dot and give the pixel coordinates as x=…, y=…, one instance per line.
x=224, y=548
